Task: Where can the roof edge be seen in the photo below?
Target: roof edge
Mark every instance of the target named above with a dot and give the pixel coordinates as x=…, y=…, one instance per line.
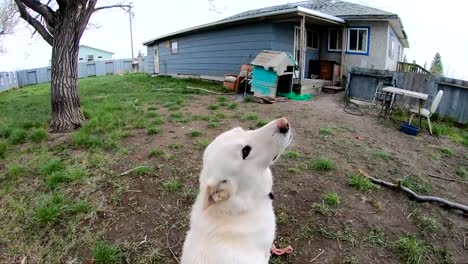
x=307, y=11
x=97, y=49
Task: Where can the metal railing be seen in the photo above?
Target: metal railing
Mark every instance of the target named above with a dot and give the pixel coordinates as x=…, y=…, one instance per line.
x=411, y=67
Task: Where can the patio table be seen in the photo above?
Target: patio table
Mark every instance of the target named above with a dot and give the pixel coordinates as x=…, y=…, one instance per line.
x=393, y=91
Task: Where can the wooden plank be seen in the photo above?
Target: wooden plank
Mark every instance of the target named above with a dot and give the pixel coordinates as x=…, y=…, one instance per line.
x=302, y=48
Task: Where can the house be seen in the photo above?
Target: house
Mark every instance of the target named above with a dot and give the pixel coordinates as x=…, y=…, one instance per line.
x=87, y=53
x=325, y=38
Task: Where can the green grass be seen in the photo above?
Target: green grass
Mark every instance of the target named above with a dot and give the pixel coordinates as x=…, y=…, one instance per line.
x=292, y=154
x=18, y=136
x=417, y=184
x=323, y=164
x=261, y=123
x=46, y=224
x=232, y=105
x=170, y=185
x=51, y=166
x=153, y=130
x=294, y=170
x=410, y=250
x=321, y=208
x=38, y=134
x=219, y=115
x=213, y=124
x=462, y=172
x=222, y=99
x=361, y=183
x=3, y=150
x=383, y=155
x=332, y=199
x=251, y=117
x=142, y=170
x=213, y=107
x=194, y=133
x=447, y=151
x=203, y=143
x=49, y=209
x=153, y=153
x=325, y=131
x=16, y=170
x=106, y=253
x=376, y=237
x=427, y=225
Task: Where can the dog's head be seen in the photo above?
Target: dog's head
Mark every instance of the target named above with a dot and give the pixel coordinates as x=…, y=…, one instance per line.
x=236, y=162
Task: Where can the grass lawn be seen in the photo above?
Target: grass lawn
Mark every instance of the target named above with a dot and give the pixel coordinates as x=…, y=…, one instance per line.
x=119, y=189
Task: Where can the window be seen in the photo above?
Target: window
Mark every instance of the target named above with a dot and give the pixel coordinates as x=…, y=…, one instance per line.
x=99, y=57
x=80, y=58
x=174, y=47
x=358, y=39
x=90, y=57
x=334, y=39
x=312, y=39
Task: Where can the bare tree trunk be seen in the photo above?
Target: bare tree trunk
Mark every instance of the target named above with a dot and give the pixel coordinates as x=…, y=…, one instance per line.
x=66, y=112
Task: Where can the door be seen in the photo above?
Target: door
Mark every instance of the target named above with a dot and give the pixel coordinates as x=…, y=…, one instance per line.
x=91, y=69
x=109, y=67
x=156, y=59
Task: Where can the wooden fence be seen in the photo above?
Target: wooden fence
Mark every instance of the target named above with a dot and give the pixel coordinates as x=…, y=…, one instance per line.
x=362, y=84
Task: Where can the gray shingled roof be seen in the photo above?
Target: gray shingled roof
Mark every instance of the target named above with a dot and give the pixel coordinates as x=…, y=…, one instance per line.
x=333, y=7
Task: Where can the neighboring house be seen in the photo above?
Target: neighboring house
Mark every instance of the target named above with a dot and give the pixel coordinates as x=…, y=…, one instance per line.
x=348, y=34
x=87, y=53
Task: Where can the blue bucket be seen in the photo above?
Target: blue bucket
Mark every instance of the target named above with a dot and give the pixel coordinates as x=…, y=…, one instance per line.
x=409, y=129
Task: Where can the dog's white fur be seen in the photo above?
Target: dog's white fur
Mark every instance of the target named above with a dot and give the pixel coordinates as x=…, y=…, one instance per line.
x=232, y=220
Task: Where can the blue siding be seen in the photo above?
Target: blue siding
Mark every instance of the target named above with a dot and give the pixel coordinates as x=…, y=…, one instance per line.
x=221, y=51
x=283, y=37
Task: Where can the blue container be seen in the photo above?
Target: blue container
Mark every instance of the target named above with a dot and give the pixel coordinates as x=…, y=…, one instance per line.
x=409, y=129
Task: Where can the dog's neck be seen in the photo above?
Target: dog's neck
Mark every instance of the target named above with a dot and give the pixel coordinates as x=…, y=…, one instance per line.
x=247, y=198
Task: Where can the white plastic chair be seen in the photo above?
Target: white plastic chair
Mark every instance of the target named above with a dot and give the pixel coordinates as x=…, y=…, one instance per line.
x=428, y=113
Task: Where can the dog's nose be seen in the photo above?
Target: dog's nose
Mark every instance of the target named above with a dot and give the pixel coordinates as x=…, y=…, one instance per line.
x=283, y=125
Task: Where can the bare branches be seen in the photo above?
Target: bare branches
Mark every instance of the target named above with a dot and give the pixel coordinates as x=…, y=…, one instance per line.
x=123, y=6
x=34, y=22
x=7, y=17
x=44, y=10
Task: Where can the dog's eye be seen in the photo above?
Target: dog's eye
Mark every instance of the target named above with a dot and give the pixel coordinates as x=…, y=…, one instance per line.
x=245, y=151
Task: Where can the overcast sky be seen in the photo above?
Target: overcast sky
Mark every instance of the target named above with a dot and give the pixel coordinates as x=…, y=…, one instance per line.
x=432, y=26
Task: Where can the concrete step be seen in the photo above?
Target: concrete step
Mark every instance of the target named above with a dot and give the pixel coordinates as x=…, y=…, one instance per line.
x=332, y=89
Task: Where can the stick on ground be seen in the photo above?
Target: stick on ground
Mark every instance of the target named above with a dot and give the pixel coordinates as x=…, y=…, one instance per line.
x=415, y=196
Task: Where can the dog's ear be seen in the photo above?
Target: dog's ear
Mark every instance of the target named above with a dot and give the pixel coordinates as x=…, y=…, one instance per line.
x=215, y=193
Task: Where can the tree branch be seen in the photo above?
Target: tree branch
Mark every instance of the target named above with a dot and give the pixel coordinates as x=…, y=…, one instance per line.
x=112, y=6
x=44, y=10
x=415, y=196
x=33, y=22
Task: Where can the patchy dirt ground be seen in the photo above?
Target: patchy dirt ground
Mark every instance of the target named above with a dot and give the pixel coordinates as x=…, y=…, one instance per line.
x=149, y=215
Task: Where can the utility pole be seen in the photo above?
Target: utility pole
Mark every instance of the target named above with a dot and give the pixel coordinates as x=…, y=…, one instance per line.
x=131, y=35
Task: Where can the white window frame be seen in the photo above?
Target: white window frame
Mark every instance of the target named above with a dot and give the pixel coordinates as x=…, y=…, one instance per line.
x=339, y=35
x=177, y=46
x=366, y=41
x=312, y=32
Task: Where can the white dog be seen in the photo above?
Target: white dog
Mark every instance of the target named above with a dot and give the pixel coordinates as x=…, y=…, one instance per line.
x=232, y=220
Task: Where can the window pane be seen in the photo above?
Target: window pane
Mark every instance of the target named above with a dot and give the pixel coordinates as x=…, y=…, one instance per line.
x=174, y=47
x=339, y=36
x=309, y=39
x=353, y=33
x=333, y=35
x=362, y=45
x=315, y=40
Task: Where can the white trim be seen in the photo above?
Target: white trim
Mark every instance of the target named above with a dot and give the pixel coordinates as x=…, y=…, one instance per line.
x=319, y=15
x=348, y=49
x=337, y=35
